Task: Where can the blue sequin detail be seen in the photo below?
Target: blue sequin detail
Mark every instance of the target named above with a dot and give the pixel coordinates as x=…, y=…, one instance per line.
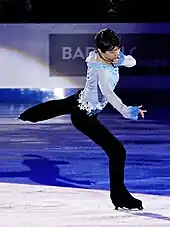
x=121, y=60
x=134, y=111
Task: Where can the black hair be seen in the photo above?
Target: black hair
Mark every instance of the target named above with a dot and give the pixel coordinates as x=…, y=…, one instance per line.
x=107, y=40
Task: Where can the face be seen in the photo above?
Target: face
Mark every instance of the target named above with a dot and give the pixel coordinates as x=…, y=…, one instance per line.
x=112, y=55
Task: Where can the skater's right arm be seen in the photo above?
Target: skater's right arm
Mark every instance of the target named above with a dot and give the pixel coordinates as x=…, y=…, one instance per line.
x=106, y=84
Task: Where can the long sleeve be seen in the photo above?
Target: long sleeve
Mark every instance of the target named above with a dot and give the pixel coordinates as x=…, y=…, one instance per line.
x=129, y=61
x=106, y=84
x=126, y=60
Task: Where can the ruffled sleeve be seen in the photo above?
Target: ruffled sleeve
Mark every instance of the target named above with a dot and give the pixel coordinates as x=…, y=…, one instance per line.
x=125, y=60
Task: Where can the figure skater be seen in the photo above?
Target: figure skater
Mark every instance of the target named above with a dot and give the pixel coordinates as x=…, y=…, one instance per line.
x=84, y=107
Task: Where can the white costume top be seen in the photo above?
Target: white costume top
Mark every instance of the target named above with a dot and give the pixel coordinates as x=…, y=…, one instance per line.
x=101, y=81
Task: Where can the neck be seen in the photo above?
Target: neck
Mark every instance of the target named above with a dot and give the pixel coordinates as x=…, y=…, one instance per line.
x=102, y=58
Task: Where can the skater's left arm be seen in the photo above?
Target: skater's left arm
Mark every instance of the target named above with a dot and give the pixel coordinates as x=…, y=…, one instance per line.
x=125, y=60
x=106, y=86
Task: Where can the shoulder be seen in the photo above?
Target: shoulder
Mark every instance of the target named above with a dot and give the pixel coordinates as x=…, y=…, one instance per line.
x=107, y=70
x=107, y=74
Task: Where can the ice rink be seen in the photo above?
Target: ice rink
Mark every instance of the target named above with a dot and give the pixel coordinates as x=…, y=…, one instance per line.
x=53, y=176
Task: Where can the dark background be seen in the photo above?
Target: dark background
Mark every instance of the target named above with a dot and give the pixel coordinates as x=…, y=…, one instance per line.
x=17, y=11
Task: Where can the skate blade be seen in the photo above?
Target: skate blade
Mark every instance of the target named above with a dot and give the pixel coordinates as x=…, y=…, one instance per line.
x=131, y=209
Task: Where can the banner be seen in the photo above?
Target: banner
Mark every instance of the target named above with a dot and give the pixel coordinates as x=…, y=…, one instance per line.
x=67, y=54
x=50, y=56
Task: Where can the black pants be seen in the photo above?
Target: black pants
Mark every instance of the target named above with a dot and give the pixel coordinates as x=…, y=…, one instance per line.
x=91, y=127
x=100, y=135
x=50, y=109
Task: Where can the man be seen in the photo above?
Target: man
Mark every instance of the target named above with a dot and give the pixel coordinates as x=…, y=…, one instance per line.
x=84, y=107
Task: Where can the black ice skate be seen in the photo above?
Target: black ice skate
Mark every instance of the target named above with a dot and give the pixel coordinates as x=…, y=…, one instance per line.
x=123, y=199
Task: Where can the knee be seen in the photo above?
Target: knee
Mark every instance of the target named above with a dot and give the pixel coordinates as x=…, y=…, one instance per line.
x=116, y=151
x=121, y=150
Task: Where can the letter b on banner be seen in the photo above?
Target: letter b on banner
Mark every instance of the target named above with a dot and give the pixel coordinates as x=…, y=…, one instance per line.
x=67, y=53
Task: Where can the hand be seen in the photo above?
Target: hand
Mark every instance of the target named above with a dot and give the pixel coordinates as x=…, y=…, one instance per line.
x=142, y=112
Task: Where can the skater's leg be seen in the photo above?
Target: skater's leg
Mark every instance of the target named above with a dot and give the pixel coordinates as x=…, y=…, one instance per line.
x=97, y=132
x=49, y=109
x=115, y=151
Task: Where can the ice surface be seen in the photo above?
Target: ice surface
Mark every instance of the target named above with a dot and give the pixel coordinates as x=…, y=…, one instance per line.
x=48, y=206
